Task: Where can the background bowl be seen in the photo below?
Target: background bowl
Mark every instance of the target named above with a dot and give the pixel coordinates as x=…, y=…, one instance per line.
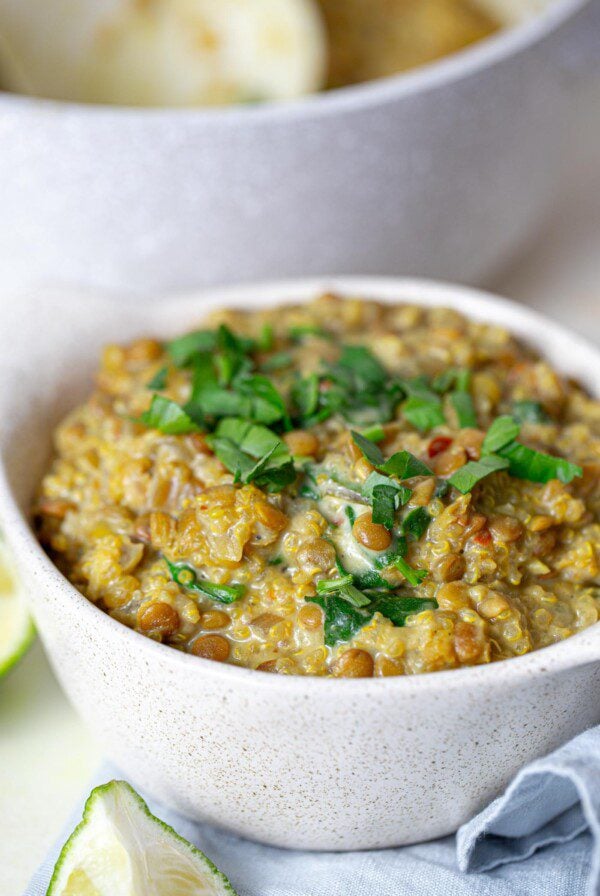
x=445, y=171
x=293, y=761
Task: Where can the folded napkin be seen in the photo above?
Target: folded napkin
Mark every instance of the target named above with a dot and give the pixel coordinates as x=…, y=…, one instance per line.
x=549, y=816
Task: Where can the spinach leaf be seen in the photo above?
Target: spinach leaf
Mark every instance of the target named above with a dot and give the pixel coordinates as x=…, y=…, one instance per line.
x=187, y=577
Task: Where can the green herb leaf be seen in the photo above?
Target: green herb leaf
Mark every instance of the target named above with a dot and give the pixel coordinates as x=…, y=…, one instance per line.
x=502, y=432
x=526, y=463
x=455, y=378
x=305, y=395
x=412, y=576
x=403, y=464
x=415, y=523
x=159, y=380
x=168, y=417
x=341, y=620
x=467, y=477
x=529, y=412
x=371, y=451
x=464, y=409
x=297, y=334
x=397, y=609
x=266, y=339
x=187, y=577
x=253, y=453
x=375, y=480
x=384, y=505
x=374, y=433
x=349, y=511
x=325, y=586
x=277, y=362
x=183, y=349
x=423, y=413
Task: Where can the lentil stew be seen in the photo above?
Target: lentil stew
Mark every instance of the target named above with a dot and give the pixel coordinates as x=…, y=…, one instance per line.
x=339, y=488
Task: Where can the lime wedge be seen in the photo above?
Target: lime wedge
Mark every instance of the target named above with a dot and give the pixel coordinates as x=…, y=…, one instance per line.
x=16, y=628
x=121, y=849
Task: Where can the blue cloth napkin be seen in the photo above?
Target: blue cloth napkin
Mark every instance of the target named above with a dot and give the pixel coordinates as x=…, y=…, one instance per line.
x=549, y=816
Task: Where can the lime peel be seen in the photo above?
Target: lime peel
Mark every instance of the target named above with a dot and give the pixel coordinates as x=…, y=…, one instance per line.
x=120, y=848
x=17, y=631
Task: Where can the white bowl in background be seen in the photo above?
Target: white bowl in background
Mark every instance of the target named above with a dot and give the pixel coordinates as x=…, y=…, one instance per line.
x=445, y=171
x=300, y=762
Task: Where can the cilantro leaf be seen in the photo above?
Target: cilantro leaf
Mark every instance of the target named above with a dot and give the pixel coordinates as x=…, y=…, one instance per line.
x=464, y=409
x=527, y=411
x=502, y=432
x=187, y=577
x=384, y=505
x=159, y=380
x=535, y=466
x=467, y=477
x=297, y=334
x=183, y=349
x=253, y=453
x=423, y=413
x=168, y=417
x=277, y=362
x=403, y=464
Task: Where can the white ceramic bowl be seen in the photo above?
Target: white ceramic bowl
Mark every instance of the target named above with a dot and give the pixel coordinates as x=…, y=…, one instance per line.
x=293, y=761
x=445, y=171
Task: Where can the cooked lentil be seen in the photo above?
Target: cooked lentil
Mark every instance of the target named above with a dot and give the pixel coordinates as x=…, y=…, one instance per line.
x=508, y=567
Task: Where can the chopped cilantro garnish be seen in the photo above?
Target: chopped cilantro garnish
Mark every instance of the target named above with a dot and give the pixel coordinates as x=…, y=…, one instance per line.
x=297, y=334
x=464, y=409
x=467, y=477
x=378, y=480
x=349, y=511
x=183, y=349
x=527, y=411
x=305, y=395
x=424, y=413
x=403, y=464
x=502, y=432
x=187, y=577
x=415, y=523
x=159, y=380
x=526, y=463
x=384, y=505
x=168, y=417
x=266, y=340
x=455, y=378
x=253, y=454
x=374, y=433
x=277, y=362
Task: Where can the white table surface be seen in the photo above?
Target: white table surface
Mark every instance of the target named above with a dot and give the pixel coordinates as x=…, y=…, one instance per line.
x=46, y=755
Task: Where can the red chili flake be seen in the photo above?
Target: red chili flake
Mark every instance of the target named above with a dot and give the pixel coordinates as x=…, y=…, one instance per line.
x=437, y=445
x=484, y=538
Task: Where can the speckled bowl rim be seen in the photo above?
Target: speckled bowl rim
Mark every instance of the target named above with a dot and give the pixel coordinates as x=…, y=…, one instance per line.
x=470, y=60
x=170, y=315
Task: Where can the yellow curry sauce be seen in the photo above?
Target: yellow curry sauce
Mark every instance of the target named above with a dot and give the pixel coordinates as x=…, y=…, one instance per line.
x=339, y=488
x=378, y=38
